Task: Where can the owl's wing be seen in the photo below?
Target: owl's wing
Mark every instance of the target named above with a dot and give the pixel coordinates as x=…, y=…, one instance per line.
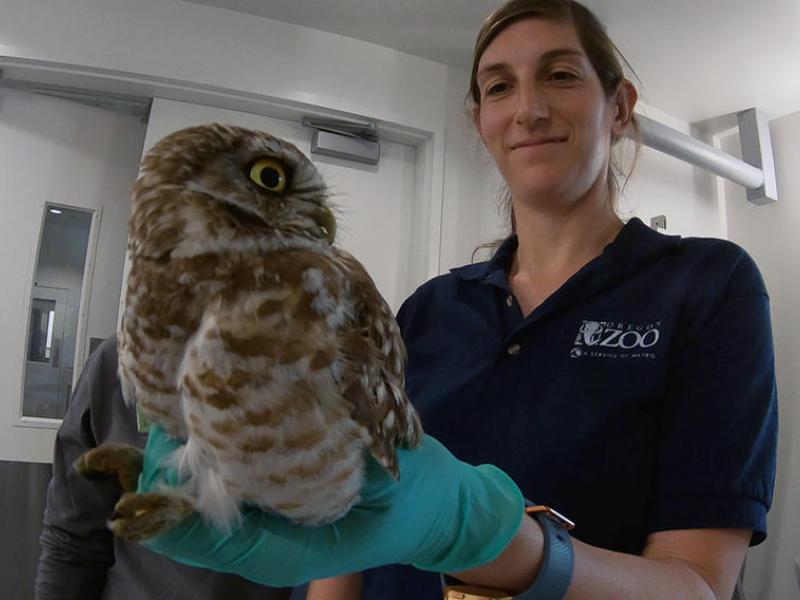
x=375, y=379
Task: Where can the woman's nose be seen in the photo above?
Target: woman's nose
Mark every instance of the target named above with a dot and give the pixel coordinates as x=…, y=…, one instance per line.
x=531, y=106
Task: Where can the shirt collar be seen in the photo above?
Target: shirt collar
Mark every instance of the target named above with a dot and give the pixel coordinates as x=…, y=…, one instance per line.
x=634, y=244
x=499, y=263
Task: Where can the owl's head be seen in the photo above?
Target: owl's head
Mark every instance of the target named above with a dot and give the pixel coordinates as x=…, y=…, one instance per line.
x=251, y=173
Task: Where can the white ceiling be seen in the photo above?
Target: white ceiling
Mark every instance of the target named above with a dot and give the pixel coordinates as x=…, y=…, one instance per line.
x=697, y=59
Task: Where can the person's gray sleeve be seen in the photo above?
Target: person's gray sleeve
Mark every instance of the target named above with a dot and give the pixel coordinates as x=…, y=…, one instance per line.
x=77, y=547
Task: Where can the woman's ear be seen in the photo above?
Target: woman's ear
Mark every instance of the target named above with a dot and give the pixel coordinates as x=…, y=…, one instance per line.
x=624, y=103
x=475, y=114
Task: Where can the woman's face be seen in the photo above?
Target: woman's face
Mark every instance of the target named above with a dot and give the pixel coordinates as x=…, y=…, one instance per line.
x=543, y=114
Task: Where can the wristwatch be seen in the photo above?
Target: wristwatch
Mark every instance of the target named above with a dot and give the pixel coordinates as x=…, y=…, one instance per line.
x=554, y=575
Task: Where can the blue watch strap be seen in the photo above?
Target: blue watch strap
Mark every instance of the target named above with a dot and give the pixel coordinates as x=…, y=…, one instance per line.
x=555, y=573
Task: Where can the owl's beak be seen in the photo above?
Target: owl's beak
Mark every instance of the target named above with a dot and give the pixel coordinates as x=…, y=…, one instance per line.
x=327, y=222
x=322, y=216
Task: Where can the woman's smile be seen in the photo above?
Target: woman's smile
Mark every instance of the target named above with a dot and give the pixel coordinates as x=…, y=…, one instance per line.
x=537, y=144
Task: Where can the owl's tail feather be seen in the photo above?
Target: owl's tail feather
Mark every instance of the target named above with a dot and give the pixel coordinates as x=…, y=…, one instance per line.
x=128, y=388
x=205, y=488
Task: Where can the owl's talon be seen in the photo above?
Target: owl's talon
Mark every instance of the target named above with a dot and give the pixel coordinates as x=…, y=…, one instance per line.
x=119, y=461
x=138, y=517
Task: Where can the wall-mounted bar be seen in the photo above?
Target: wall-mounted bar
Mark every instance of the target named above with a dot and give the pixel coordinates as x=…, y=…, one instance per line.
x=757, y=151
x=757, y=174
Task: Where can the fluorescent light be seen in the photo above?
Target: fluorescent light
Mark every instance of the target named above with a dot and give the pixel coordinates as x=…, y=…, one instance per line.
x=48, y=345
x=55, y=211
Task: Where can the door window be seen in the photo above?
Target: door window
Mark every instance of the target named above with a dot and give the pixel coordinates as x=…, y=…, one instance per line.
x=55, y=311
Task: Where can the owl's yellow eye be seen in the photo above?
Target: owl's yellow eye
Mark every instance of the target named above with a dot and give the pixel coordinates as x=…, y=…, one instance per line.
x=269, y=174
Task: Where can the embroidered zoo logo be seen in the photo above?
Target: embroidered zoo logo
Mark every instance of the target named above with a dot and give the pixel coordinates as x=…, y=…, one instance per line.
x=610, y=339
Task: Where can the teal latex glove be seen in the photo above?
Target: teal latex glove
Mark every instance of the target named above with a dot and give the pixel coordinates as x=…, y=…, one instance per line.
x=443, y=515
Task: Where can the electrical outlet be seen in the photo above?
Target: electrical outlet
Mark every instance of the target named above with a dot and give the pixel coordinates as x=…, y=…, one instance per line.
x=659, y=222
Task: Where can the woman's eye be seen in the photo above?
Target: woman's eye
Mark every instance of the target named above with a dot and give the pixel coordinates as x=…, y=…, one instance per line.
x=269, y=174
x=496, y=88
x=563, y=76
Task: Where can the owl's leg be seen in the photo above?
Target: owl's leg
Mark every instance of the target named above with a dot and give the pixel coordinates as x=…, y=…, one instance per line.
x=112, y=460
x=138, y=517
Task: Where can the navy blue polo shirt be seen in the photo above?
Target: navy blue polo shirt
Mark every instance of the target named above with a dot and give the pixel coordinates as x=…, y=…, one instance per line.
x=639, y=397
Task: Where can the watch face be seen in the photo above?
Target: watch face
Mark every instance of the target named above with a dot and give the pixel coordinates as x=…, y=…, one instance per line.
x=468, y=592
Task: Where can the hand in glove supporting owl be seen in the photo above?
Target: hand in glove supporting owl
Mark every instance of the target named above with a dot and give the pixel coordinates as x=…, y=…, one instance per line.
x=442, y=515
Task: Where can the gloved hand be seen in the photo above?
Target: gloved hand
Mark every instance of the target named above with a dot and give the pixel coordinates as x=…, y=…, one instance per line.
x=443, y=515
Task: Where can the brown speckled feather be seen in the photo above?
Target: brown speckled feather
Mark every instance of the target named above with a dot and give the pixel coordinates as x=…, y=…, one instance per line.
x=248, y=334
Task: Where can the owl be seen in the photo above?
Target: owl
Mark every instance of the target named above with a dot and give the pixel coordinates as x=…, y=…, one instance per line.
x=249, y=334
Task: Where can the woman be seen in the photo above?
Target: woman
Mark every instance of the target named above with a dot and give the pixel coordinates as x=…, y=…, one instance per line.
x=623, y=377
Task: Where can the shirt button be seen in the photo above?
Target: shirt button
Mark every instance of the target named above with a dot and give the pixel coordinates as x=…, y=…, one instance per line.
x=509, y=300
x=514, y=349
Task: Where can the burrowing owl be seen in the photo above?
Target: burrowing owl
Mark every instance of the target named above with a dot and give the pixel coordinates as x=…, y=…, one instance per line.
x=249, y=334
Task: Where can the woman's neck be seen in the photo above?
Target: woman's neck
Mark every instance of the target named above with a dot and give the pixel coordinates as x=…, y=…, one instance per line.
x=552, y=242
x=553, y=246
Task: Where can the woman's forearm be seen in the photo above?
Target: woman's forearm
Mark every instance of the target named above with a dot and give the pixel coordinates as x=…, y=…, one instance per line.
x=516, y=568
x=602, y=574
x=344, y=587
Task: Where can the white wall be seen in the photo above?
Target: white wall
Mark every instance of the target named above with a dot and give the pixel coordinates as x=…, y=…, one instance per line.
x=770, y=234
x=467, y=169
x=207, y=46
x=185, y=51
x=64, y=153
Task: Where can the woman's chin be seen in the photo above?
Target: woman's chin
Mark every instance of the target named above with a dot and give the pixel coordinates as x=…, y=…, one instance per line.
x=551, y=188
x=546, y=191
